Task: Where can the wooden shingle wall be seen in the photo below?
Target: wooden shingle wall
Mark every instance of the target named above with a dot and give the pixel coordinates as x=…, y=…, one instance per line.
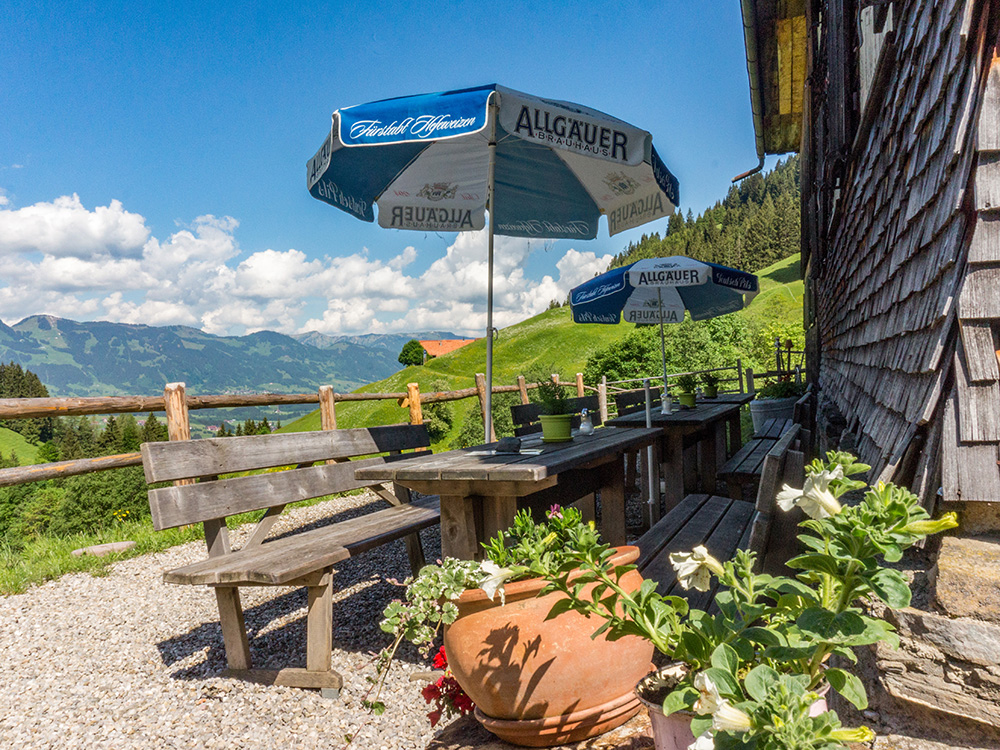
x=972, y=415
x=894, y=264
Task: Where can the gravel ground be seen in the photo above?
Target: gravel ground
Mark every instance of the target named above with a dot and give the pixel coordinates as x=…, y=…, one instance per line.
x=126, y=661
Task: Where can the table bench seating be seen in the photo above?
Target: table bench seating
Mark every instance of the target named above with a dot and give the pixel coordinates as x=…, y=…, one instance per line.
x=628, y=402
x=525, y=416
x=723, y=525
x=774, y=428
x=320, y=466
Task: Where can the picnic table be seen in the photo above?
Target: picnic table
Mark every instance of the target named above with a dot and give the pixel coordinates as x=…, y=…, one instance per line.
x=704, y=425
x=481, y=490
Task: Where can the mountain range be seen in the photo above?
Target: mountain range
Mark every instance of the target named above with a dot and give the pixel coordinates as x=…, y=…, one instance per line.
x=103, y=359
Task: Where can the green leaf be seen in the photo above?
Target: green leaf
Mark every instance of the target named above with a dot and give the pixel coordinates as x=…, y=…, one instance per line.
x=891, y=587
x=818, y=562
x=849, y=686
x=725, y=683
x=561, y=606
x=681, y=699
x=725, y=657
x=701, y=724
x=760, y=681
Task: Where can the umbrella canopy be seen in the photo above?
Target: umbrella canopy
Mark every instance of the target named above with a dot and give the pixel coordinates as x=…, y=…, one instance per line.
x=544, y=168
x=660, y=290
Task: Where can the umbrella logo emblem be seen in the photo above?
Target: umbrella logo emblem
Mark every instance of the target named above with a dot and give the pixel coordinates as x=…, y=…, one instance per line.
x=620, y=183
x=439, y=191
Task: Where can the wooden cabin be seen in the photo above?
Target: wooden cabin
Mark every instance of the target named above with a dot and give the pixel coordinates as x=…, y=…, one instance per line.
x=895, y=110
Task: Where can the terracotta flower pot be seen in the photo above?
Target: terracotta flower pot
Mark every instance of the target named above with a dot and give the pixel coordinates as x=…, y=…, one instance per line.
x=541, y=682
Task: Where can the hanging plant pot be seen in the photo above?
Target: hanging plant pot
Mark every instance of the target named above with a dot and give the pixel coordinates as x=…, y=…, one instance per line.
x=556, y=428
x=540, y=682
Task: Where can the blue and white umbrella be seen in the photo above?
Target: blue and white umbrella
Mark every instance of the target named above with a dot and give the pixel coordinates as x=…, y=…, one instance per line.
x=661, y=290
x=544, y=168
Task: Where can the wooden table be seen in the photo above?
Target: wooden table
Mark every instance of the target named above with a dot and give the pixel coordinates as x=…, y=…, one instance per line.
x=706, y=424
x=481, y=490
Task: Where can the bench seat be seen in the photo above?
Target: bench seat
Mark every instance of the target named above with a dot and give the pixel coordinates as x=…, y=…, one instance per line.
x=722, y=524
x=286, y=559
x=743, y=470
x=774, y=428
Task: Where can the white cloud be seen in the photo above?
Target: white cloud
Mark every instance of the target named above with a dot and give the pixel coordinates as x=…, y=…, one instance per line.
x=63, y=259
x=64, y=227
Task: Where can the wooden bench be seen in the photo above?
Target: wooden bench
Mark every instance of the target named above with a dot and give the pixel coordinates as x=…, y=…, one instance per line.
x=774, y=428
x=723, y=525
x=525, y=416
x=628, y=402
x=321, y=467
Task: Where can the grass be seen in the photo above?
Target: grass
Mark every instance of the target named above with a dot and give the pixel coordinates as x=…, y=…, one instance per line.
x=13, y=442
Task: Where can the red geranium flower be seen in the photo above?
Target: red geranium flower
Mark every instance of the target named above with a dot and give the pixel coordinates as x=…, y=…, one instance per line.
x=446, y=693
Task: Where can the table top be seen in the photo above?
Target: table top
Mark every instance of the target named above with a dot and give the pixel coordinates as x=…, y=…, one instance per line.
x=704, y=412
x=480, y=463
x=729, y=398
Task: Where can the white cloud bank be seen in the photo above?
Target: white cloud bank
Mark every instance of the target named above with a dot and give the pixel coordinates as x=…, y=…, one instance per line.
x=63, y=259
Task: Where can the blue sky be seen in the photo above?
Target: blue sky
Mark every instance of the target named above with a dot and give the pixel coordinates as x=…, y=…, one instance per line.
x=152, y=156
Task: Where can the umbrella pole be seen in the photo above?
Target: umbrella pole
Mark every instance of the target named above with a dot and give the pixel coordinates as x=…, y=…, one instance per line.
x=665, y=402
x=488, y=424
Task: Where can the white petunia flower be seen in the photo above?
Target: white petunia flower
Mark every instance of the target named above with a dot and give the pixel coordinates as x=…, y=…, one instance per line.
x=710, y=699
x=695, y=568
x=704, y=742
x=814, y=498
x=495, y=580
x=728, y=718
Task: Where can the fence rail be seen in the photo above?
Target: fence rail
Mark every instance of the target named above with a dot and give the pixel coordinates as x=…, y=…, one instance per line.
x=176, y=403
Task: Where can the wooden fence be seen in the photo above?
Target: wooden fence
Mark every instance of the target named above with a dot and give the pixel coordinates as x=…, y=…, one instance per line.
x=176, y=404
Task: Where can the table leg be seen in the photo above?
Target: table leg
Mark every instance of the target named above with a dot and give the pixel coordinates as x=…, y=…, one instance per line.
x=707, y=458
x=458, y=527
x=735, y=434
x=672, y=469
x=498, y=515
x=613, y=502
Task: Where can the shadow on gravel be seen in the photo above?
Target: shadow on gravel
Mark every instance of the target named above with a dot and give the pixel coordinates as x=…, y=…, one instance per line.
x=276, y=628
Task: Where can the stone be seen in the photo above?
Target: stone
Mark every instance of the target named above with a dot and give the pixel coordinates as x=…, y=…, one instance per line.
x=103, y=550
x=468, y=734
x=968, y=578
x=977, y=518
x=963, y=638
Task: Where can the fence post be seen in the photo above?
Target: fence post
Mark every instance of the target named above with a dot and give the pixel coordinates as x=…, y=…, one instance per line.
x=522, y=388
x=750, y=385
x=555, y=378
x=777, y=352
x=413, y=398
x=327, y=410
x=481, y=392
x=739, y=373
x=602, y=398
x=579, y=385
x=798, y=374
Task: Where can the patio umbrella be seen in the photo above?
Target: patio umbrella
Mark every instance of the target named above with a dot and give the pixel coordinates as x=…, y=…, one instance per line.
x=660, y=290
x=544, y=168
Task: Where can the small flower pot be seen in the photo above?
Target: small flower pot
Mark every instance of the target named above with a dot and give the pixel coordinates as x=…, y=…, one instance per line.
x=556, y=428
x=669, y=732
x=710, y=391
x=686, y=399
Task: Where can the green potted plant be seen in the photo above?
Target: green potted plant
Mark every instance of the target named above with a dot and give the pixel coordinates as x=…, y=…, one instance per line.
x=775, y=401
x=686, y=387
x=756, y=669
x=556, y=418
x=710, y=384
x=524, y=671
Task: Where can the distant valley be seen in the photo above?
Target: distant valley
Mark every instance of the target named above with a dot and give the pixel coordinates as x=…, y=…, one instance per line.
x=104, y=359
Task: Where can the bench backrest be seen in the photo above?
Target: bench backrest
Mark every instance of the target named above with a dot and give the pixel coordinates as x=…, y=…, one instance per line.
x=211, y=498
x=784, y=464
x=633, y=401
x=525, y=416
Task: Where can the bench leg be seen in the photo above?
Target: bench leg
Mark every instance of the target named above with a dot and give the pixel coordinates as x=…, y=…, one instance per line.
x=735, y=435
x=672, y=463
x=630, y=469
x=613, y=503
x=234, y=632
x=319, y=625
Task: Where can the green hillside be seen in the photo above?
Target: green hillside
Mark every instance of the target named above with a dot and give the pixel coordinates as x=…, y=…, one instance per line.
x=550, y=338
x=11, y=442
